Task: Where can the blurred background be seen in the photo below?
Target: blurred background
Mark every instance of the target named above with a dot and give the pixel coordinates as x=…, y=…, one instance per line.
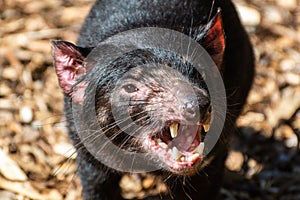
x=36, y=158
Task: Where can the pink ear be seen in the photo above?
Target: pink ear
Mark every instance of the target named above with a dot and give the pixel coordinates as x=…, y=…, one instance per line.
x=214, y=40
x=68, y=62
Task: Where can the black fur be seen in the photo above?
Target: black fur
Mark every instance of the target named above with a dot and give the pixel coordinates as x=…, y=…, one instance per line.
x=109, y=17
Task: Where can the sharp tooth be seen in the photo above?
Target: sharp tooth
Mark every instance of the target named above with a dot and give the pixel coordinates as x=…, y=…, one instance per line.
x=206, y=127
x=162, y=144
x=192, y=157
x=199, y=149
x=174, y=130
x=175, y=153
x=182, y=158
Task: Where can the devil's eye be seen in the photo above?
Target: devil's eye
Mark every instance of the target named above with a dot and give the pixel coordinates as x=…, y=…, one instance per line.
x=130, y=88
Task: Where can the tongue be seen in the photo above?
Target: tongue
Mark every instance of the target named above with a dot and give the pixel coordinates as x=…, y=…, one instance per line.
x=187, y=139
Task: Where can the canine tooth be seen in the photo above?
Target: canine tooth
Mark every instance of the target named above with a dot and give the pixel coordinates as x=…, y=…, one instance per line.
x=174, y=130
x=175, y=153
x=162, y=144
x=206, y=127
x=199, y=149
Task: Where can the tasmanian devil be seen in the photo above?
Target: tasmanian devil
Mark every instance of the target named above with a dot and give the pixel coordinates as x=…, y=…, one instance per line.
x=150, y=100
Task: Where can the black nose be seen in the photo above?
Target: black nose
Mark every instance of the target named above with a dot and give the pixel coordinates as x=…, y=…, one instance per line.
x=195, y=107
x=190, y=108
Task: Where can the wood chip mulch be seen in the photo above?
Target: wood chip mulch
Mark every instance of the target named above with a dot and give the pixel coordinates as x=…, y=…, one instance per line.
x=36, y=158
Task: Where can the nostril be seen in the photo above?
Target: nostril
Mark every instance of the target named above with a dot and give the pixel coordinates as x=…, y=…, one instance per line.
x=171, y=110
x=193, y=107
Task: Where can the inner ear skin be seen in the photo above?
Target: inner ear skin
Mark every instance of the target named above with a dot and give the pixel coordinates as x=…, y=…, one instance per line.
x=68, y=62
x=214, y=40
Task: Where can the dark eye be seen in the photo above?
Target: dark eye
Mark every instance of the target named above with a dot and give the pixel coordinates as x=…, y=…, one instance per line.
x=130, y=88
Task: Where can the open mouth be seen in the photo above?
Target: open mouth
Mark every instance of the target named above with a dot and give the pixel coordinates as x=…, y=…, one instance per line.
x=178, y=145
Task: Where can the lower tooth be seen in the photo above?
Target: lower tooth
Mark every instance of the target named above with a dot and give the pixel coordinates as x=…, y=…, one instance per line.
x=163, y=145
x=175, y=153
x=182, y=159
x=192, y=157
x=199, y=148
